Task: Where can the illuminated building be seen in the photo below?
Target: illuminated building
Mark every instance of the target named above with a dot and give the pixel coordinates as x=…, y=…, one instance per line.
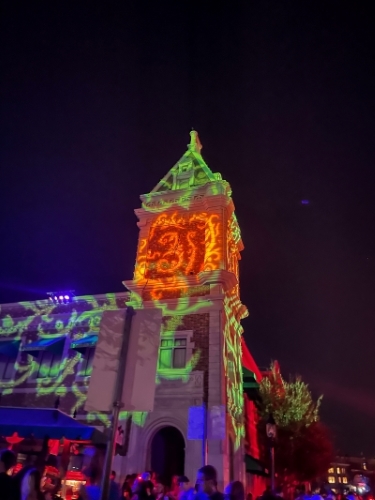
x=337, y=475
x=46, y=351
x=354, y=473
x=187, y=265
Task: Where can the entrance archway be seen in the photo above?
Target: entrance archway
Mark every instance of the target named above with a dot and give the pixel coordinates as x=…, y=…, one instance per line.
x=168, y=453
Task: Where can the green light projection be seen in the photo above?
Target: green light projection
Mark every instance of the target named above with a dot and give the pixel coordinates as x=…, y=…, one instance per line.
x=181, y=243
x=42, y=320
x=173, y=252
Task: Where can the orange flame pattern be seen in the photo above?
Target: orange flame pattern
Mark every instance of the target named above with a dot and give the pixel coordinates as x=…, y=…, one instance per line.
x=179, y=245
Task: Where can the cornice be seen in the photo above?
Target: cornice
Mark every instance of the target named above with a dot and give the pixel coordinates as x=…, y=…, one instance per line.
x=227, y=279
x=213, y=195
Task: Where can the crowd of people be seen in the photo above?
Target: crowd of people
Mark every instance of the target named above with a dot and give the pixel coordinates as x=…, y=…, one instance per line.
x=150, y=486
x=317, y=492
x=27, y=484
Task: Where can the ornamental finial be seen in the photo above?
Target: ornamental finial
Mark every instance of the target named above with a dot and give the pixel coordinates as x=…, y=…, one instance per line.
x=195, y=143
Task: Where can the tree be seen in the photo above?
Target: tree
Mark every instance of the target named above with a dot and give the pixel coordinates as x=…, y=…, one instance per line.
x=303, y=448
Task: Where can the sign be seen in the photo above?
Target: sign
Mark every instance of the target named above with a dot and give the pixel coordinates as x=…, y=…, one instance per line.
x=196, y=422
x=142, y=359
x=100, y=394
x=216, y=423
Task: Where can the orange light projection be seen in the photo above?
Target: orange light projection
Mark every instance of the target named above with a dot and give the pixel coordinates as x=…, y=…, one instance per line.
x=179, y=245
x=176, y=249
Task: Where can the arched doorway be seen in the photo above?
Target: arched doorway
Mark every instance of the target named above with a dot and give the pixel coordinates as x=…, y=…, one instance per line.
x=168, y=453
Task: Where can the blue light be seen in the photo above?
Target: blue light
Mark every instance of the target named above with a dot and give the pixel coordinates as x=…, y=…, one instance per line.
x=305, y=202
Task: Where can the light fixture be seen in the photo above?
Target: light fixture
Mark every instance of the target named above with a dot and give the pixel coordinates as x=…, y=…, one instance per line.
x=61, y=297
x=271, y=430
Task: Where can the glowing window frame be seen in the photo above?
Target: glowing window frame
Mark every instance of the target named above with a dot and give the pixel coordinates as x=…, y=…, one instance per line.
x=83, y=361
x=178, y=335
x=57, y=359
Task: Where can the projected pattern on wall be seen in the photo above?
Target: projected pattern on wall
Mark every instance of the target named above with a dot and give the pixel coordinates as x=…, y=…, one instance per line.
x=59, y=372
x=180, y=248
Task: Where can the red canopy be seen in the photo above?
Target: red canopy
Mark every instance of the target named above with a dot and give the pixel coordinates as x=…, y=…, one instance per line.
x=248, y=361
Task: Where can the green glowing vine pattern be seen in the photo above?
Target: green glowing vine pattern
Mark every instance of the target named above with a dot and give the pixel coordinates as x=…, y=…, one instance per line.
x=179, y=243
x=29, y=321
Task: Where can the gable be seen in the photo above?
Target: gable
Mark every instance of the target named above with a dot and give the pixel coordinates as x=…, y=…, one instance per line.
x=190, y=171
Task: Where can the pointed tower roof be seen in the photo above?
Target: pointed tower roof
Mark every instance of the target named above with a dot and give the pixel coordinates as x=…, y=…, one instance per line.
x=190, y=170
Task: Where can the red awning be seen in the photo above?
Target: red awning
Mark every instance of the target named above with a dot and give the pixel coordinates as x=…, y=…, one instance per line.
x=248, y=361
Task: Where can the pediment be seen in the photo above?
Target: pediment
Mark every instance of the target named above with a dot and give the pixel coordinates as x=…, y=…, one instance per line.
x=190, y=171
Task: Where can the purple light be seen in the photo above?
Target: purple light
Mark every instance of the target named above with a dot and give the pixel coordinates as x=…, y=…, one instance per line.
x=55, y=297
x=66, y=297
x=305, y=202
x=61, y=297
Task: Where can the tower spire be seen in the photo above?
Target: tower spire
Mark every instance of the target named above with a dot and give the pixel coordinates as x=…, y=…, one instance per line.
x=190, y=170
x=195, y=144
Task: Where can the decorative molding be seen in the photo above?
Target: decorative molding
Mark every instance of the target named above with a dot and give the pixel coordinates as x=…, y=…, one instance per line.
x=178, y=389
x=219, y=276
x=157, y=201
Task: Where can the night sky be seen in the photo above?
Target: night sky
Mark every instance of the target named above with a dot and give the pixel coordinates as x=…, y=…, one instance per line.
x=97, y=101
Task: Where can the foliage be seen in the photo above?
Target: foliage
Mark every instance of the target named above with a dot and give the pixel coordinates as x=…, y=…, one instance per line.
x=305, y=455
x=303, y=448
x=290, y=403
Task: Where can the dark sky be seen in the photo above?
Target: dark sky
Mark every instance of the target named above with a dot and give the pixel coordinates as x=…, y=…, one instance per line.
x=97, y=100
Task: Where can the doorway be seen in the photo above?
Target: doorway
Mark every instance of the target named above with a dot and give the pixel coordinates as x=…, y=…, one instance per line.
x=168, y=453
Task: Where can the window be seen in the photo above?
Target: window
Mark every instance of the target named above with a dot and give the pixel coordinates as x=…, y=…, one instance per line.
x=338, y=470
x=331, y=470
x=6, y=366
x=85, y=368
x=172, y=353
x=340, y=479
x=49, y=365
x=345, y=480
x=331, y=479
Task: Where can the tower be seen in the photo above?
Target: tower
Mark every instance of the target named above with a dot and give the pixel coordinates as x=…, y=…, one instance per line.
x=187, y=264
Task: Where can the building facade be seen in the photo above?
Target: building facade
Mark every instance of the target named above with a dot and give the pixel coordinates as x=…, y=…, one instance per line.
x=351, y=473
x=186, y=264
x=46, y=352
